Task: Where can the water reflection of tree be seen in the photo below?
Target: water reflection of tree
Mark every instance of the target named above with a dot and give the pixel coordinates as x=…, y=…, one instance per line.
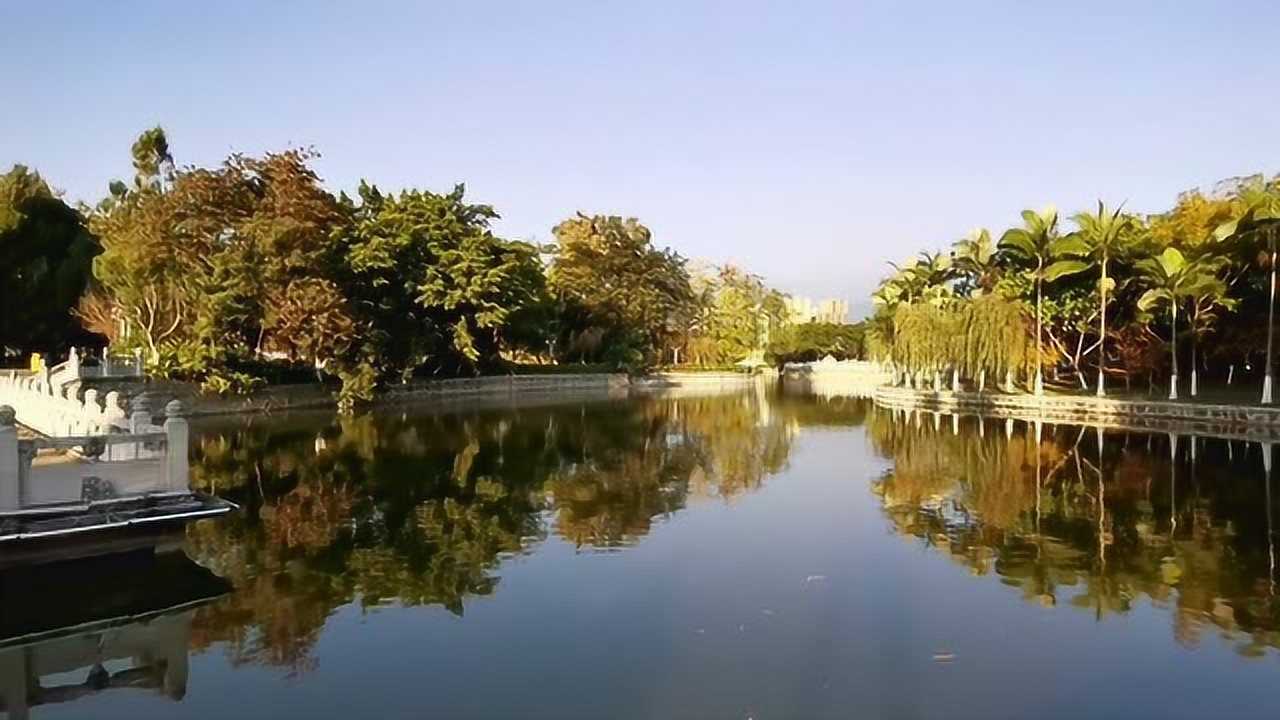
x=422, y=510
x=1107, y=523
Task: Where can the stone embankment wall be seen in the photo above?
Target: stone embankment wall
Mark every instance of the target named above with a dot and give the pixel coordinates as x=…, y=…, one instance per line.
x=302, y=397
x=1227, y=421
x=526, y=387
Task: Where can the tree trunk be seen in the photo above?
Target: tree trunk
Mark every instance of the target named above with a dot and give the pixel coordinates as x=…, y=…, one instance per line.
x=1195, y=374
x=1173, y=351
x=982, y=380
x=1271, y=325
x=1038, y=388
x=1102, y=332
x=1173, y=484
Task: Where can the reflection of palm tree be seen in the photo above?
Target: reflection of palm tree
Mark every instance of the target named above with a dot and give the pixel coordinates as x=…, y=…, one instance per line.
x=1271, y=547
x=974, y=502
x=1173, y=486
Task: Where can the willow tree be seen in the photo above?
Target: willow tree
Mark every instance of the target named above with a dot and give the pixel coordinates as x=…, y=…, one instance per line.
x=923, y=338
x=1102, y=234
x=1258, y=220
x=1038, y=242
x=994, y=339
x=1171, y=279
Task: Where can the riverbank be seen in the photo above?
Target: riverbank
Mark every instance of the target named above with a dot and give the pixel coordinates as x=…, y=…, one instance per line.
x=1226, y=421
x=281, y=398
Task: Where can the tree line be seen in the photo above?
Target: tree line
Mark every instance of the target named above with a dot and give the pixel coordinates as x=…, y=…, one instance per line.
x=253, y=271
x=1107, y=295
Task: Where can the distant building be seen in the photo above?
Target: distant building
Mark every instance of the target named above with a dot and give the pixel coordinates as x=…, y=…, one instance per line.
x=803, y=310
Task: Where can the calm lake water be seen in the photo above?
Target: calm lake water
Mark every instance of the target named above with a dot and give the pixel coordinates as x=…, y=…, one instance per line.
x=745, y=556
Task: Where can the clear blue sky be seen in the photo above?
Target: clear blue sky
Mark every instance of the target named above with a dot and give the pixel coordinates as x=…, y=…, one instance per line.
x=810, y=142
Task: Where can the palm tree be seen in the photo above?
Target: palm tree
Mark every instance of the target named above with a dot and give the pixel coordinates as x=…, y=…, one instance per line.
x=1259, y=221
x=974, y=257
x=1038, y=241
x=1102, y=235
x=1171, y=278
x=1205, y=304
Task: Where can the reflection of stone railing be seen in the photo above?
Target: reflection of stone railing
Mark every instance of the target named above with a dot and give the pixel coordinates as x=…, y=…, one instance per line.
x=1231, y=421
x=136, y=634
x=142, y=655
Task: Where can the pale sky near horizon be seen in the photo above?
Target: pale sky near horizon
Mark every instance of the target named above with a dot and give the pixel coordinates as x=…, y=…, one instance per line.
x=810, y=142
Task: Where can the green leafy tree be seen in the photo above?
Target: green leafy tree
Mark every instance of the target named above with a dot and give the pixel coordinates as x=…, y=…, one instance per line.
x=614, y=284
x=807, y=342
x=739, y=315
x=1257, y=221
x=46, y=253
x=215, y=268
x=432, y=284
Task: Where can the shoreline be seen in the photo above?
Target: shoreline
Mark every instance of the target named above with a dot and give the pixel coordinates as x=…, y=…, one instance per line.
x=287, y=398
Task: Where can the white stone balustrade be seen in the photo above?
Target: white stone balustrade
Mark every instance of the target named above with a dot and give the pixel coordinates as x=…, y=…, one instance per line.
x=133, y=460
x=109, y=366
x=55, y=410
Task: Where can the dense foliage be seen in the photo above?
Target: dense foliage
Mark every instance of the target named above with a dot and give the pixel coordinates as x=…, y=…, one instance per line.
x=809, y=342
x=1116, y=295
x=45, y=257
x=253, y=270
x=622, y=298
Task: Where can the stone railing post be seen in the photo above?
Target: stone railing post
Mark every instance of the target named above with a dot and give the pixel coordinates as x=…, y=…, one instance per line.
x=177, y=469
x=137, y=362
x=73, y=363
x=112, y=414
x=10, y=463
x=139, y=415
x=93, y=412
